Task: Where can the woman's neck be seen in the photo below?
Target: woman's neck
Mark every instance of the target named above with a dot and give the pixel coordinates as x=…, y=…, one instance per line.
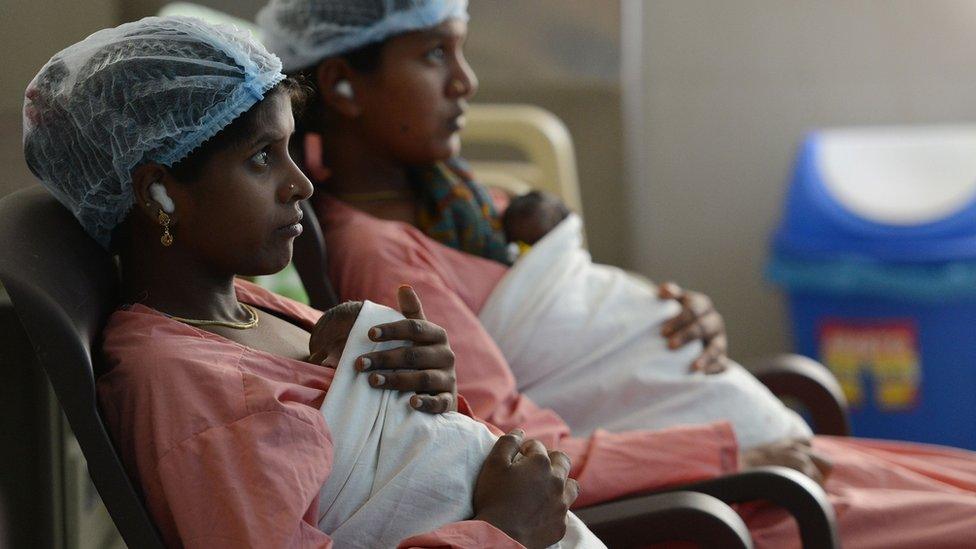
x=371, y=181
x=359, y=168
x=167, y=281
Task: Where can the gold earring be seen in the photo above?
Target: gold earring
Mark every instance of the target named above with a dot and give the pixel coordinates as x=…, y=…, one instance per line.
x=164, y=220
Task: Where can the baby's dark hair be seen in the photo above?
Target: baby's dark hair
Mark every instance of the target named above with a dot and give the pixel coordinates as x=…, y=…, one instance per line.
x=342, y=311
x=528, y=218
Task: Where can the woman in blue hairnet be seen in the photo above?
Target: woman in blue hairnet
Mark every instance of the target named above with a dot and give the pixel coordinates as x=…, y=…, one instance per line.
x=168, y=140
x=391, y=88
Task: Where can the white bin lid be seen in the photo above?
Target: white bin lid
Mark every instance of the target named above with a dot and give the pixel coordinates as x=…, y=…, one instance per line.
x=899, y=175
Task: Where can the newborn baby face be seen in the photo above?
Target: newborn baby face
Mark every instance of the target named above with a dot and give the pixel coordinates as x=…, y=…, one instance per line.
x=531, y=216
x=332, y=331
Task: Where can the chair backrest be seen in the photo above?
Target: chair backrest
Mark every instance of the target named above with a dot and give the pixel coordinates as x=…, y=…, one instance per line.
x=63, y=287
x=539, y=135
x=311, y=261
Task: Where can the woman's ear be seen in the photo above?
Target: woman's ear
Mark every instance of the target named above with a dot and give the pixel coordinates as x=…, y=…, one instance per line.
x=335, y=79
x=149, y=182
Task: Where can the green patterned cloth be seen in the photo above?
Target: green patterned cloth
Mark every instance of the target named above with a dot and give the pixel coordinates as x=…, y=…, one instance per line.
x=458, y=211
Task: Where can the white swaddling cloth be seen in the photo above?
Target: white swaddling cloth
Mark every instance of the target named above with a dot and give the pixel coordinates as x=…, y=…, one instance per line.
x=397, y=472
x=585, y=340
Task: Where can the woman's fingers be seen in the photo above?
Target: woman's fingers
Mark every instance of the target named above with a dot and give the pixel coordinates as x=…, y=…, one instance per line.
x=409, y=303
x=695, y=308
x=571, y=491
x=669, y=290
x=823, y=464
x=716, y=366
x=411, y=329
x=682, y=321
x=801, y=457
x=506, y=448
x=712, y=323
x=426, y=368
x=713, y=359
x=431, y=382
x=685, y=335
x=698, y=320
x=434, y=404
x=428, y=357
x=561, y=464
x=560, y=468
x=535, y=449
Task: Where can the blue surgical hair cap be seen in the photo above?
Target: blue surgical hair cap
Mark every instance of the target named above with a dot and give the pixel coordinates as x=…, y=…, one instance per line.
x=304, y=32
x=148, y=91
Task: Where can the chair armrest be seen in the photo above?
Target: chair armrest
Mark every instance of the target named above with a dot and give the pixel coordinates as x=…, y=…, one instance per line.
x=674, y=516
x=786, y=488
x=812, y=385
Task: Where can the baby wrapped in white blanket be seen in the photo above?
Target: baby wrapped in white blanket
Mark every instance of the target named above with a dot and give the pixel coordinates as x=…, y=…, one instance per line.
x=397, y=472
x=585, y=340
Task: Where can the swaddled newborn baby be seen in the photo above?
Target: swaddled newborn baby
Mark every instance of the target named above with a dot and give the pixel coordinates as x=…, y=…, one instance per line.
x=604, y=363
x=389, y=460
x=531, y=216
x=332, y=331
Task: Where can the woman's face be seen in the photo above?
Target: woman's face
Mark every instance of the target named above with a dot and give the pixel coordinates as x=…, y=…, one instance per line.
x=241, y=214
x=413, y=105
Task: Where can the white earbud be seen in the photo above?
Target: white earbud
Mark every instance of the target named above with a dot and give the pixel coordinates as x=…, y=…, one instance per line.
x=158, y=192
x=344, y=89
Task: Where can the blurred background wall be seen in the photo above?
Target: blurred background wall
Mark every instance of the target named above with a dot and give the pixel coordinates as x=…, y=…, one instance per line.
x=682, y=168
x=30, y=33
x=723, y=91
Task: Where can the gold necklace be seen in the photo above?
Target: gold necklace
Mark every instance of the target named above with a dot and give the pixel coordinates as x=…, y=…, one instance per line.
x=249, y=323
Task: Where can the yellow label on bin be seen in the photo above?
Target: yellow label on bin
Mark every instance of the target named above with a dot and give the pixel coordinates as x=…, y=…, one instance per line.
x=874, y=359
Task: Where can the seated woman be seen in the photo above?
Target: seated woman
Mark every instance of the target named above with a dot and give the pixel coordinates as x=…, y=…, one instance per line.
x=391, y=90
x=167, y=138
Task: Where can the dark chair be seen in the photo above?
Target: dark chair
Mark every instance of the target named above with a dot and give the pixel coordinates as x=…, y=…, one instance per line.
x=64, y=286
x=676, y=516
x=311, y=263
x=811, y=385
x=791, y=375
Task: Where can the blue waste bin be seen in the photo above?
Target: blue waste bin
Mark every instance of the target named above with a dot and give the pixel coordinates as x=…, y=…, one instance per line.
x=876, y=252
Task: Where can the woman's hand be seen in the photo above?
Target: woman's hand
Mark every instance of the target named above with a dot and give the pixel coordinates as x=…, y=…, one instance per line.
x=426, y=368
x=796, y=454
x=698, y=319
x=524, y=491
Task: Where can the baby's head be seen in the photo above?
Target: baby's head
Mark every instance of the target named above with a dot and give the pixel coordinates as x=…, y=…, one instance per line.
x=529, y=217
x=332, y=331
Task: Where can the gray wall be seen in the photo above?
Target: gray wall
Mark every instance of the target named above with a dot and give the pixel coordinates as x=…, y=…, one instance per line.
x=31, y=31
x=727, y=90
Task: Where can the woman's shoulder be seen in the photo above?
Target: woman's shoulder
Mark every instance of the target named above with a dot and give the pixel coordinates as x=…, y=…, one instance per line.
x=163, y=382
x=341, y=221
x=354, y=235
x=139, y=338
x=152, y=360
